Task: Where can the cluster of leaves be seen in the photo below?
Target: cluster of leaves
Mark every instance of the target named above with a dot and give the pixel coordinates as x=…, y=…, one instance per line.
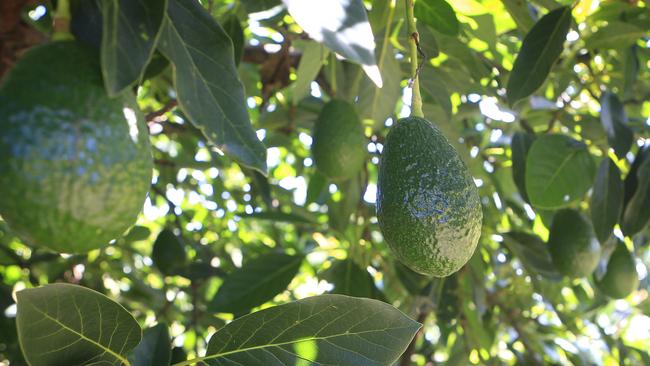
x=533, y=95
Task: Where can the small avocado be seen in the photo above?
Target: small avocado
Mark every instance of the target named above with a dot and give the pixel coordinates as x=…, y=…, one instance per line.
x=427, y=203
x=620, y=277
x=75, y=165
x=572, y=244
x=339, y=147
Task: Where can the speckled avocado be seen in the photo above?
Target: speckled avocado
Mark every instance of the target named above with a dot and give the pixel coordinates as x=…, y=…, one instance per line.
x=427, y=203
x=75, y=165
x=572, y=244
x=339, y=147
x=620, y=278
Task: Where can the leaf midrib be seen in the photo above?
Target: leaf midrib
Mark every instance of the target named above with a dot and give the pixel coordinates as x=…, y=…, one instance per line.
x=280, y=344
x=557, y=172
x=80, y=335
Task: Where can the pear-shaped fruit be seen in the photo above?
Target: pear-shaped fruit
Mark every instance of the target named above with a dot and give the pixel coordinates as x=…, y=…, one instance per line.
x=339, y=147
x=75, y=165
x=621, y=277
x=572, y=244
x=427, y=203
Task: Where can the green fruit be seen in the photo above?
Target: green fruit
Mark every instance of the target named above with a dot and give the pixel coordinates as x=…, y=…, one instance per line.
x=339, y=147
x=620, y=278
x=572, y=244
x=427, y=203
x=75, y=166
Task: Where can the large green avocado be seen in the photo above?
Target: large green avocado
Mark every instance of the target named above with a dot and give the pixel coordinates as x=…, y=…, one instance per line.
x=339, y=147
x=620, y=278
x=427, y=203
x=75, y=165
x=572, y=244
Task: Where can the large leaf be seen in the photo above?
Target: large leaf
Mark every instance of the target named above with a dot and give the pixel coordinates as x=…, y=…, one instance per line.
x=154, y=349
x=232, y=26
x=321, y=330
x=532, y=252
x=63, y=324
x=520, y=144
x=615, y=35
x=606, y=199
x=637, y=210
x=559, y=171
x=342, y=25
x=207, y=85
x=437, y=14
x=129, y=35
x=255, y=283
x=539, y=51
x=614, y=120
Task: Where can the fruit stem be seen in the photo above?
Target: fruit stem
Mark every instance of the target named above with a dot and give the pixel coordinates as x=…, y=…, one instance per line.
x=62, y=21
x=416, y=99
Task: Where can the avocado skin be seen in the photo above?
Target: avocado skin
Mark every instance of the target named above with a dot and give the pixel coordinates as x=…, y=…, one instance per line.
x=339, y=147
x=572, y=244
x=428, y=206
x=620, y=278
x=75, y=166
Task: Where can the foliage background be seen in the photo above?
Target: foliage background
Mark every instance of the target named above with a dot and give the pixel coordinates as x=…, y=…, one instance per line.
x=507, y=306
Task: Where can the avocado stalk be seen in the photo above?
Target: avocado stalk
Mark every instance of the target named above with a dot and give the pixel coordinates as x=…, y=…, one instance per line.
x=62, y=21
x=416, y=98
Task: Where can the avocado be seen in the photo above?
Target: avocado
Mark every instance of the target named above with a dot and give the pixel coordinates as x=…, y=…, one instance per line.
x=75, y=165
x=620, y=277
x=428, y=206
x=572, y=244
x=339, y=147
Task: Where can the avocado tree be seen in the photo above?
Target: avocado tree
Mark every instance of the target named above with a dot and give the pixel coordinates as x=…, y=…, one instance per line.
x=342, y=182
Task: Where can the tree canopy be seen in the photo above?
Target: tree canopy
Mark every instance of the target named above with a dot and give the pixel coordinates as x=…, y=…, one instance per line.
x=248, y=251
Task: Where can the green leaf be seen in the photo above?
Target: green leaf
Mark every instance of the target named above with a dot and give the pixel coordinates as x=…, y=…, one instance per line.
x=339, y=212
x=637, y=210
x=606, y=199
x=614, y=120
x=379, y=103
x=254, y=6
x=320, y=330
x=532, y=252
x=232, y=27
x=280, y=217
x=207, y=85
x=342, y=25
x=350, y=279
x=433, y=85
x=615, y=35
x=63, y=324
x=129, y=35
x=559, y=171
x=255, y=283
x=168, y=253
x=414, y=282
x=437, y=14
x=631, y=70
x=137, y=233
x=154, y=349
x=311, y=61
x=519, y=10
x=539, y=51
x=520, y=144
